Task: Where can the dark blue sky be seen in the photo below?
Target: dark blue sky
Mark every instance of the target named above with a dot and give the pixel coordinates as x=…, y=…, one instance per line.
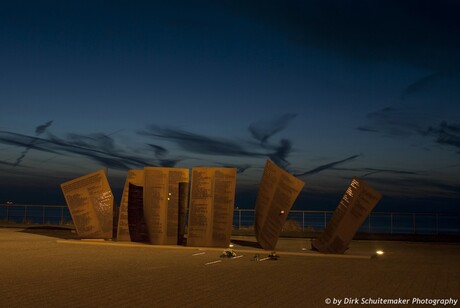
x=328, y=90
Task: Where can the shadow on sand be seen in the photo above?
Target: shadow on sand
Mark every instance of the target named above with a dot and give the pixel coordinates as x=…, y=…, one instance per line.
x=52, y=231
x=246, y=243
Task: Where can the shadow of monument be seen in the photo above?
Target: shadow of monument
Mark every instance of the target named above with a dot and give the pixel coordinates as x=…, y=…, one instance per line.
x=52, y=231
x=246, y=243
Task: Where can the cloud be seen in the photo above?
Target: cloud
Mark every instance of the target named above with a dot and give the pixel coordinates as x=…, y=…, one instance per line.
x=100, y=148
x=396, y=122
x=97, y=147
x=279, y=157
x=19, y=140
x=371, y=171
x=263, y=130
x=445, y=83
x=159, y=150
x=99, y=141
x=199, y=144
x=326, y=166
x=6, y=163
x=415, y=186
x=38, y=131
x=41, y=128
x=240, y=168
x=446, y=134
x=367, y=129
x=160, y=154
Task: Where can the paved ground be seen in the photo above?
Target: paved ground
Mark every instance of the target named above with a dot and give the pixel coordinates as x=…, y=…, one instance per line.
x=46, y=268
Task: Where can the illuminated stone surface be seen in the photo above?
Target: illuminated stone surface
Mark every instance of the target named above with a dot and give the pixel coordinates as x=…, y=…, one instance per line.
x=356, y=204
x=135, y=177
x=212, y=198
x=278, y=191
x=90, y=201
x=161, y=203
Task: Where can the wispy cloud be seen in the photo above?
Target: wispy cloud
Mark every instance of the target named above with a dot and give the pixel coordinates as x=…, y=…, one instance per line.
x=397, y=122
x=6, y=163
x=443, y=85
x=97, y=147
x=279, y=156
x=417, y=186
x=326, y=166
x=200, y=144
x=205, y=145
x=20, y=140
x=447, y=134
x=264, y=129
x=367, y=129
x=41, y=128
x=240, y=168
x=161, y=154
x=371, y=171
x=38, y=131
x=102, y=148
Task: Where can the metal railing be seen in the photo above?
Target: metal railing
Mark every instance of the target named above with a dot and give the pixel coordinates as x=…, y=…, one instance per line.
x=377, y=222
x=243, y=219
x=35, y=214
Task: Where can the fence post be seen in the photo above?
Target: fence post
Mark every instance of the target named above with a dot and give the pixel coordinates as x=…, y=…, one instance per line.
x=369, y=224
x=239, y=219
x=391, y=223
x=62, y=215
x=437, y=224
x=325, y=220
x=303, y=221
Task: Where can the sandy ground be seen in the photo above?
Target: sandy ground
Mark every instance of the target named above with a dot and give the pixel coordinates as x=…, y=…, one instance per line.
x=49, y=268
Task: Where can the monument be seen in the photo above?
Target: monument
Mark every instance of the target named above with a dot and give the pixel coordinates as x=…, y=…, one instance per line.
x=356, y=204
x=183, y=208
x=90, y=201
x=161, y=203
x=212, y=199
x=138, y=231
x=135, y=177
x=278, y=191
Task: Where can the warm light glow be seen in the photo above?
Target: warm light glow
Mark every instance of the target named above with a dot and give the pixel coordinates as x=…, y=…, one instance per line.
x=379, y=252
x=231, y=245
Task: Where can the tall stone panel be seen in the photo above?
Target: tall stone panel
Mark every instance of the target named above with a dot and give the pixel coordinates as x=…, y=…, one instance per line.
x=212, y=199
x=278, y=191
x=161, y=203
x=355, y=206
x=135, y=177
x=91, y=205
